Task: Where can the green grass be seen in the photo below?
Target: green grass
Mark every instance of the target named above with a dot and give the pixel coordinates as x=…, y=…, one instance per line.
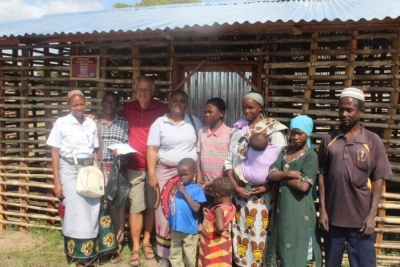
x=41, y=248
x=44, y=248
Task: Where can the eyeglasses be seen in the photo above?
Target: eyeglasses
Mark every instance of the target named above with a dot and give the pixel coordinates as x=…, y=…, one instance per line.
x=143, y=90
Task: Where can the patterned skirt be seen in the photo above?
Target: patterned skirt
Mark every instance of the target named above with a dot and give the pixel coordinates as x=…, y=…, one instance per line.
x=250, y=228
x=87, y=227
x=87, y=250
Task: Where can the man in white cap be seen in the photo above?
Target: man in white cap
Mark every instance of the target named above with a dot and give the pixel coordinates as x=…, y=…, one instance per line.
x=349, y=158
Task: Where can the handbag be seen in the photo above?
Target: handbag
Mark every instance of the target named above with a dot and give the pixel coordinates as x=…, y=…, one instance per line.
x=90, y=180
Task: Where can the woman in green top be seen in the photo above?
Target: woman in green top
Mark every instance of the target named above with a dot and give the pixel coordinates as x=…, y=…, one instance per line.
x=294, y=236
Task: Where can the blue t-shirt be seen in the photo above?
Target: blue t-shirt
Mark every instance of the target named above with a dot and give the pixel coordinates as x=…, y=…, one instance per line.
x=181, y=217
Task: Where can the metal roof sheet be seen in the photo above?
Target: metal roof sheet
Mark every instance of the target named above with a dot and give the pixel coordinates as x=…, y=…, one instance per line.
x=188, y=15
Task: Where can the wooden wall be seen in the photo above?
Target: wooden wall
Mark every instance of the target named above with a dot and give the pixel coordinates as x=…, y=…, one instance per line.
x=301, y=74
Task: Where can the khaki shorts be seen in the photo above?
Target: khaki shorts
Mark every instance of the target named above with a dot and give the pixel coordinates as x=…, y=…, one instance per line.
x=141, y=194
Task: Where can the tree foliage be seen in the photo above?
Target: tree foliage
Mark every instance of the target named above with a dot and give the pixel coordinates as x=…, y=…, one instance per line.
x=121, y=5
x=164, y=2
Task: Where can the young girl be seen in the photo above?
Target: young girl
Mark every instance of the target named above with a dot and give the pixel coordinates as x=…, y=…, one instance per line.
x=294, y=239
x=213, y=144
x=215, y=239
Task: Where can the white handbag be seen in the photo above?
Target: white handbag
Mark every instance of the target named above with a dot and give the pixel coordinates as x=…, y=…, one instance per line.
x=90, y=182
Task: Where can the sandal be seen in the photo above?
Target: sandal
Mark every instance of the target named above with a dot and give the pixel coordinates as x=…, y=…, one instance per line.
x=148, y=252
x=115, y=258
x=135, y=262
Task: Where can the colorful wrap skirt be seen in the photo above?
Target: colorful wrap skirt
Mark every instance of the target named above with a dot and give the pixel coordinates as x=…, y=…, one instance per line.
x=86, y=226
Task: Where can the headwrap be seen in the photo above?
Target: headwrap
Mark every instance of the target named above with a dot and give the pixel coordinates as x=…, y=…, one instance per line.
x=353, y=92
x=256, y=97
x=74, y=93
x=304, y=123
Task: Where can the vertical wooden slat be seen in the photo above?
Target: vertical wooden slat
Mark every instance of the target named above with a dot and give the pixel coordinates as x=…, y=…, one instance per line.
x=175, y=68
x=3, y=188
x=173, y=64
x=257, y=80
x=387, y=133
x=351, y=58
x=136, y=73
x=311, y=70
x=266, y=80
x=24, y=114
x=74, y=52
x=48, y=125
x=103, y=73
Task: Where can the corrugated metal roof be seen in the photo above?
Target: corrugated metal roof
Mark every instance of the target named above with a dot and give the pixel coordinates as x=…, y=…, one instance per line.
x=187, y=15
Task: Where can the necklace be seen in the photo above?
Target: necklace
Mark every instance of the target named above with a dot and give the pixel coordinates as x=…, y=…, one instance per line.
x=286, y=167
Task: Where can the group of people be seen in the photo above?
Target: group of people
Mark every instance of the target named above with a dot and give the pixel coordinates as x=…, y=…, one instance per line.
x=247, y=189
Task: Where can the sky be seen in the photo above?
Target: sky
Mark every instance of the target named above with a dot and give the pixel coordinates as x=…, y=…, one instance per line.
x=29, y=9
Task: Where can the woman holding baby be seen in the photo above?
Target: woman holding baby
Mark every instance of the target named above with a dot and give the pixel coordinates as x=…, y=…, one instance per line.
x=247, y=166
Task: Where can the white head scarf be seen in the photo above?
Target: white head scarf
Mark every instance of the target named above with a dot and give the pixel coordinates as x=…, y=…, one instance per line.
x=256, y=97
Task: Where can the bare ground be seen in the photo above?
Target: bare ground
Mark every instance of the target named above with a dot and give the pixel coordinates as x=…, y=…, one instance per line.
x=25, y=249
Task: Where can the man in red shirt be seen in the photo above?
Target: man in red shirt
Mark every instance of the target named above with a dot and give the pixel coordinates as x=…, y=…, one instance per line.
x=141, y=113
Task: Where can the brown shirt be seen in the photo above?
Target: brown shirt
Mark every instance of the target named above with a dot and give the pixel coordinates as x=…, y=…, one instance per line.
x=347, y=167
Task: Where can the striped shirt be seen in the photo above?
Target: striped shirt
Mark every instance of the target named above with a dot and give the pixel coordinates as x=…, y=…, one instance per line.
x=213, y=147
x=115, y=133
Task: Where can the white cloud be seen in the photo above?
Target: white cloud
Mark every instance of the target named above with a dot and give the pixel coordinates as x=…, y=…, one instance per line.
x=25, y=9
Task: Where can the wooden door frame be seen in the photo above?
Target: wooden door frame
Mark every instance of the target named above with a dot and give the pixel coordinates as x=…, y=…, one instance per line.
x=255, y=67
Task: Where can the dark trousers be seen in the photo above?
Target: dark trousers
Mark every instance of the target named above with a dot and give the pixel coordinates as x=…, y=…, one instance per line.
x=360, y=248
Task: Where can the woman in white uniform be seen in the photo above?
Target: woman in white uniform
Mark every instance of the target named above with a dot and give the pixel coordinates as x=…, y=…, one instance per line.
x=80, y=224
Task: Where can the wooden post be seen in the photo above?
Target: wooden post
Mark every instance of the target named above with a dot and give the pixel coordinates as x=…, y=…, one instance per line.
x=24, y=114
x=136, y=73
x=267, y=81
x=175, y=70
x=47, y=113
x=74, y=52
x=103, y=73
x=387, y=133
x=351, y=58
x=311, y=70
x=173, y=75
x=3, y=187
x=257, y=74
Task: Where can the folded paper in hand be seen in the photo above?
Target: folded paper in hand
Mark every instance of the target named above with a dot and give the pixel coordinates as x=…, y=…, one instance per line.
x=123, y=149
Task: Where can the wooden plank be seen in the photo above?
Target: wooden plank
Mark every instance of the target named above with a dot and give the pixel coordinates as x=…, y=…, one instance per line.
x=31, y=207
x=238, y=72
x=23, y=135
x=387, y=133
x=136, y=73
x=190, y=75
x=311, y=71
x=2, y=145
x=280, y=65
x=172, y=63
x=29, y=225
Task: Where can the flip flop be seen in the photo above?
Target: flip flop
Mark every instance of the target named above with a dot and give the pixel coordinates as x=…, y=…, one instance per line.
x=135, y=262
x=149, y=252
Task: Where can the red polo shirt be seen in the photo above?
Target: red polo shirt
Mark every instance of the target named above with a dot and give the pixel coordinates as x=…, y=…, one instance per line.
x=139, y=126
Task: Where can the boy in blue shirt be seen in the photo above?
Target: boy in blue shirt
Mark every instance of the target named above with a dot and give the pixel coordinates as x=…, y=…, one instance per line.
x=182, y=226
